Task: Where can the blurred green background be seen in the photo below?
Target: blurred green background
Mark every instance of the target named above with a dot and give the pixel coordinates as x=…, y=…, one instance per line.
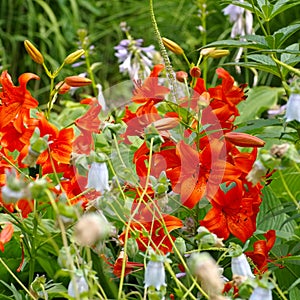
x=52, y=26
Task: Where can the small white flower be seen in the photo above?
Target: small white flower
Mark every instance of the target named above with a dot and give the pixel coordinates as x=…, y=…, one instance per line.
x=155, y=274
x=81, y=284
x=260, y=293
x=257, y=172
x=100, y=97
x=98, y=177
x=241, y=18
x=240, y=266
x=293, y=108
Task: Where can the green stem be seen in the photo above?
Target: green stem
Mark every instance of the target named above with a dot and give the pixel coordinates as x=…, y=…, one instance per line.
x=17, y=279
x=164, y=54
x=33, y=244
x=90, y=71
x=290, y=68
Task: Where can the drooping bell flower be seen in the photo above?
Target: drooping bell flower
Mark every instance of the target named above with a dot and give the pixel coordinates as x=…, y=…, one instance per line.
x=293, y=108
x=98, y=177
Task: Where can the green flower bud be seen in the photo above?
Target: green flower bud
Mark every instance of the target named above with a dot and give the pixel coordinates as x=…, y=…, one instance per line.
x=71, y=58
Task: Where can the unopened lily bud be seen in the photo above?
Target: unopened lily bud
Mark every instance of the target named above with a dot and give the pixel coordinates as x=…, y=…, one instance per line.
x=62, y=87
x=165, y=124
x=243, y=139
x=132, y=247
x=91, y=228
x=195, y=72
x=218, y=53
x=240, y=266
x=206, y=270
x=71, y=58
x=31, y=158
x=181, y=76
x=214, y=53
x=172, y=46
x=180, y=245
x=34, y=53
x=77, y=81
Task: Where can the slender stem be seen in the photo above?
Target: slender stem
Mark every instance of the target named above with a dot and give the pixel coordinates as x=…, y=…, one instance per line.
x=164, y=54
x=90, y=71
x=278, y=290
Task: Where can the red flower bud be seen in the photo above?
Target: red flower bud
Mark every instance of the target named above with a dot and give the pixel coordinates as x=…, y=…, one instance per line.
x=195, y=72
x=243, y=139
x=77, y=81
x=181, y=76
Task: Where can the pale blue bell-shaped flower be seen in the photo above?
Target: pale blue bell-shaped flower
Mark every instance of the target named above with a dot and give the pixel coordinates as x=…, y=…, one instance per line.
x=260, y=293
x=293, y=108
x=155, y=274
x=98, y=177
x=240, y=266
x=81, y=284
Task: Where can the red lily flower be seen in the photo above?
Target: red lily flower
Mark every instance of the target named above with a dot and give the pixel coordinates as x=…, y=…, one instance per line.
x=232, y=212
x=150, y=90
x=151, y=231
x=129, y=266
x=60, y=146
x=138, y=121
x=260, y=253
x=16, y=101
x=6, y=235
x=200, y=172
x=87, y=124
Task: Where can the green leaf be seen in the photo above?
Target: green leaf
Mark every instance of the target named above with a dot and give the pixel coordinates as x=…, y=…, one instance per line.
x=284, y=33
x=236, y=43
x=269, y=69
x=259, y=125
x=259, y=99
x=294, y=294
x=267, y=219
x=286, y=179
x=267, y=10
x=282, y=5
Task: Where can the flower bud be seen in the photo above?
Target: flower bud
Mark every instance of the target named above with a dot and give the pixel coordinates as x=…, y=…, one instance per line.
x=172, y=46
x=180, y=245
x=181, y=76
x=243, y=139
x=165, y=123
x=62, y=87
x=31, y=158
x=77, y=81
x=132, y=247
x=214, y=53
x=240, y=266
x=71, y=58
x=34, y=53
x=195, y=72
x=90, y=228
